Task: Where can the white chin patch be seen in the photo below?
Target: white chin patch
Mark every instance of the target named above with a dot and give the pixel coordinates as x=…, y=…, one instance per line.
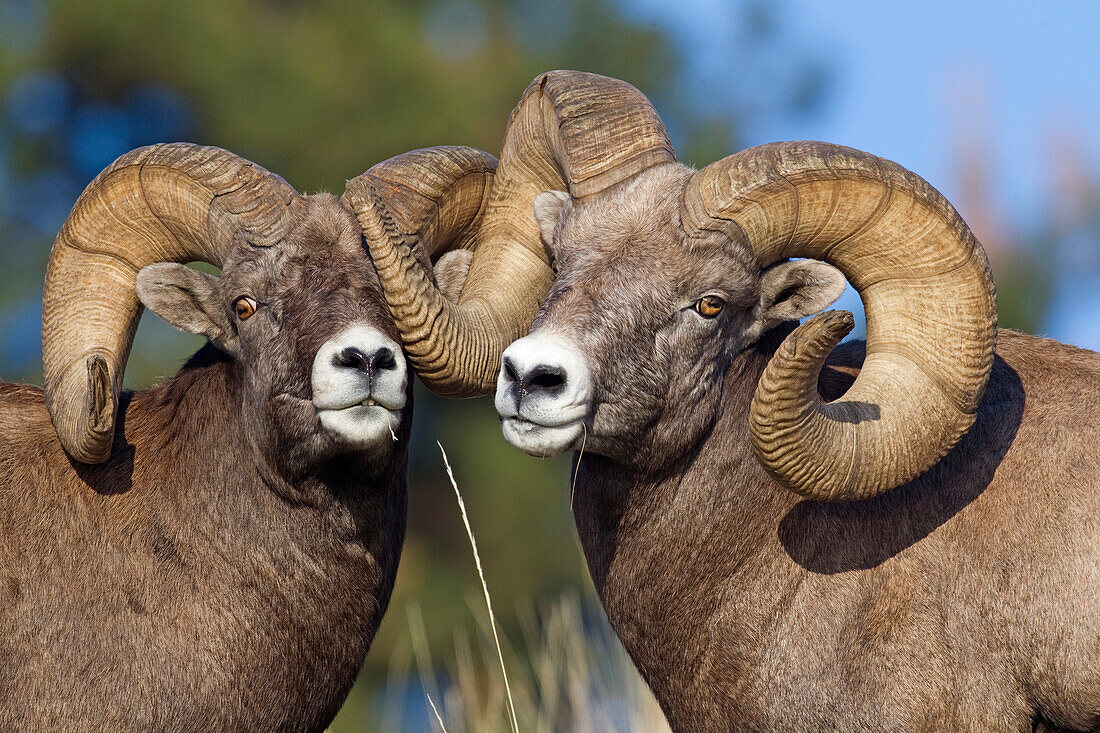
x=359, y=381
x=362, y=426
x=541, y=440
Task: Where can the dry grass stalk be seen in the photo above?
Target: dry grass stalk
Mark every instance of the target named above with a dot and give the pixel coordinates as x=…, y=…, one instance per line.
x=573, y=672
x=484, y=587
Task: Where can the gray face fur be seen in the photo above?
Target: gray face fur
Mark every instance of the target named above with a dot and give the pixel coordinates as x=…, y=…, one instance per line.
x=620, y=358
x=321, y=368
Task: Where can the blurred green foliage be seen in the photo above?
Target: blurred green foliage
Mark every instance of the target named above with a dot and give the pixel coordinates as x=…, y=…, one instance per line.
x=319, y=91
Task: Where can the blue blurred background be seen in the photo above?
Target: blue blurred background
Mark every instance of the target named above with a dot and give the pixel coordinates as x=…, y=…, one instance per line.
x=994, y=103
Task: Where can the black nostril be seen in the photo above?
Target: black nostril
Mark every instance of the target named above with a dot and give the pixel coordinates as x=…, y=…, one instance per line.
x=384, y=359
x=510, y=370
x=353, y=358
x=543, y=378
x=547, y=380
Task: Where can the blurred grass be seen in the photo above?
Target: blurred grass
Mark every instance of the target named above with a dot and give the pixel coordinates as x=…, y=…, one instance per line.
x=568, y=671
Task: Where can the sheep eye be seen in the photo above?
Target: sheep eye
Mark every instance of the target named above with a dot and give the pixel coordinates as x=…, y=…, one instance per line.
x=709, y=306
x=244, y=308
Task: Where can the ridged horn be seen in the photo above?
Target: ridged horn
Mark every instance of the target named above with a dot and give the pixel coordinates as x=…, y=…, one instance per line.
x=930, y=305
x=175, y=202
x=433, y=199
x=572, y=131
x=434, y=196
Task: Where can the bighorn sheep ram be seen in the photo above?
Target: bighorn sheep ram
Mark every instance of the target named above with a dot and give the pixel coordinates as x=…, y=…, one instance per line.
x=215, y=553
x=917, y=549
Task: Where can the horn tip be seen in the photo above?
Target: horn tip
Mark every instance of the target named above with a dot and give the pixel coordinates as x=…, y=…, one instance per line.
x=818, y=335
x=838, y=322
x=101, y=403
x=88, y=435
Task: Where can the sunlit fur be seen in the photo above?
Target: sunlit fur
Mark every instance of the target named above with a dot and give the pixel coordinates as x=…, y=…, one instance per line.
x=968, y=599
x=659, y=362
x=227, y=568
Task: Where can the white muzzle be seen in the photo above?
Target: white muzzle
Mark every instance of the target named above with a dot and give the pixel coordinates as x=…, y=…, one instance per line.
x=359, y=382
x=544, y=395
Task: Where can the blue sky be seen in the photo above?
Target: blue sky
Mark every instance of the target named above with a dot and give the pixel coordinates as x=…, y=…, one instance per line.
x=910, y=76
x=905, y=78
x=917, y=82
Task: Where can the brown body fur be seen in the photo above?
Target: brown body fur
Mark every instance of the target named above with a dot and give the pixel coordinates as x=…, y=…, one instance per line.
x=227, y=568
x=968, y=599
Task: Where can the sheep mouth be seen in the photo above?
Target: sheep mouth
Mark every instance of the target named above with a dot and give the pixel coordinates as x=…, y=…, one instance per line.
x=542, y=440
x=371, y=401
x=367, y=423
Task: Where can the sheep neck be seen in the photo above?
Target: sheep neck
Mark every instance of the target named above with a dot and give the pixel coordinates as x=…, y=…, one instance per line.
x=655, y=578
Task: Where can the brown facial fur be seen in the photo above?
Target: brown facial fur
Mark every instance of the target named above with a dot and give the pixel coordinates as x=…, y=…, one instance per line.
x=965, y=600
x=658, y=359
x=308, y=292
x=228, y=567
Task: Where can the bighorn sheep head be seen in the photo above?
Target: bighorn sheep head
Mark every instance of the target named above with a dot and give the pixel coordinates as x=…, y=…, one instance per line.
x=455, y=345
x=925, y=281
x=298, y=304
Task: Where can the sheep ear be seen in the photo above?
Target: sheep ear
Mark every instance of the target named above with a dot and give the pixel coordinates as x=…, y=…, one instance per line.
x=450, y=272
x=189, y=300
x=548, y=209
x=793, y=290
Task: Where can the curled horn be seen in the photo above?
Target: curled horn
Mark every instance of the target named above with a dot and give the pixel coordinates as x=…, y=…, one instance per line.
x=570, y=130
x=174, y=202
x=930, y=304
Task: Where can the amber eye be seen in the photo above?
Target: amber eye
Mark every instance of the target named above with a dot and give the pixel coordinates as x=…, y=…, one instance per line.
x=709, y=306
x=244, y=308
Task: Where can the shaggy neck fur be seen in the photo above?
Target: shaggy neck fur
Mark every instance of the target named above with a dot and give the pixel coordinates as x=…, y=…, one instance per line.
x=255, y=597
x=629, y=519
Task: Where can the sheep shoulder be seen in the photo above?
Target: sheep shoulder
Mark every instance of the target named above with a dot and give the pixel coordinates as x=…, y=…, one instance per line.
x=981, y=570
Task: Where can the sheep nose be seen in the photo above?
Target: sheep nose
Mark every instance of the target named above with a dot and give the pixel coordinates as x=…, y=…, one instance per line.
x=381, y=359
x=534, y=378
x=544, y=380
